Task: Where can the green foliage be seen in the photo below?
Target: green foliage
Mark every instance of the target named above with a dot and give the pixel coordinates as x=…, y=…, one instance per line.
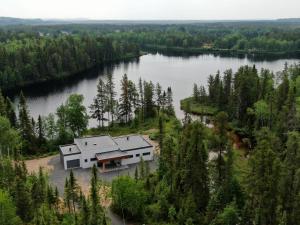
x=229, y=216
x=34, y=58
x=129, y=197
x=8, y=210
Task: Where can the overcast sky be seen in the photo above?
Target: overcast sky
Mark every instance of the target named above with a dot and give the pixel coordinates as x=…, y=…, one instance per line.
x=151, y=9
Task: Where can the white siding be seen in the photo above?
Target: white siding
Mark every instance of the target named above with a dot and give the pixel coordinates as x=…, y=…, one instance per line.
x=135, y=158
x=71, y=157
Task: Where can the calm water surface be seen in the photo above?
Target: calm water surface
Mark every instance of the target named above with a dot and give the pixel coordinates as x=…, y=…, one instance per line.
x=178, y=72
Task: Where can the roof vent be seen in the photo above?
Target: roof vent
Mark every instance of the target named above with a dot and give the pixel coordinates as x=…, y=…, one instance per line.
x=86, y=143
x=70, y=149
x=127, y=138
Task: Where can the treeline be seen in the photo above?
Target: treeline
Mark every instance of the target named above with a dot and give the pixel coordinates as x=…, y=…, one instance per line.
x=30, y=199
x=253, y=36
x=137, y=103
x=200, y=181
x=255, y=99
x=257, y=38
x=27, y=58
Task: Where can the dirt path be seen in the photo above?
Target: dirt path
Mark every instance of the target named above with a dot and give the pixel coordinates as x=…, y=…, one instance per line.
x=33, y=165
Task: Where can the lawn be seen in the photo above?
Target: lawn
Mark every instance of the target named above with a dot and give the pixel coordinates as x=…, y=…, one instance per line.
x=190, y=106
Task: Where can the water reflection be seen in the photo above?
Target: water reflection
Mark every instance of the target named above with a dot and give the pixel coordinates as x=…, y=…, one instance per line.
x=176, y=71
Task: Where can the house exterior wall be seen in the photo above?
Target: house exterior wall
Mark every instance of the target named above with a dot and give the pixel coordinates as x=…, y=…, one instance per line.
x=137, y=154
x=88, y=157
x=70, y=157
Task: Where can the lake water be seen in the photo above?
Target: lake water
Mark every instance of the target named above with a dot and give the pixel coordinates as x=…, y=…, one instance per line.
x=178, y=72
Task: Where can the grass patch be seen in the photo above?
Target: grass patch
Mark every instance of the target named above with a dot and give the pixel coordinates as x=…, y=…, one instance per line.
x=190, y=106
x=148, y=127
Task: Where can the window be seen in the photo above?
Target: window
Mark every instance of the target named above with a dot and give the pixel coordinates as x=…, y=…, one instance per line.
x=93, y=159
x=137, y=155
x=85, y=160
x=146, y=153
x=130, y=156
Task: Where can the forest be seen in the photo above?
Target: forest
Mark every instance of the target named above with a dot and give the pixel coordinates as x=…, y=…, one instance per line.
x=39, y=53
x=242, y=169
x=245, y=36
x=29, y=58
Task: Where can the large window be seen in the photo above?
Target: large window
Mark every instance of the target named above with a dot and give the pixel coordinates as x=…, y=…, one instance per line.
x=146, y=153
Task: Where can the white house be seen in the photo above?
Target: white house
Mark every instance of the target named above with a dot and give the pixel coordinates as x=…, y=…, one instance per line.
x=105, y=151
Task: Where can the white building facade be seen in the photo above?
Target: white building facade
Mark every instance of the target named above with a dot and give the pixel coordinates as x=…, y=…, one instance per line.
x=105, y=152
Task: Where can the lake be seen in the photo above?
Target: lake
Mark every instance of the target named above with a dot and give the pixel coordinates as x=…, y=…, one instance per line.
x=176, y=71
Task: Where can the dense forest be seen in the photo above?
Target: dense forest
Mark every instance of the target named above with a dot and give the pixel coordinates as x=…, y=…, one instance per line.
x=27, y=198
x=204, y=176
x=209, y=176
x=246, y=36
x=254, y=99
x=30, y=58
x=242, y=169
x=39, y=53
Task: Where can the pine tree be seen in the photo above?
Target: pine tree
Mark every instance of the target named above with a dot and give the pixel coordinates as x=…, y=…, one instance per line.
x=125, y=104
x=142, y=102
x=100, y=103
x=196, y=94
x=23, y=201
x=10, y=112
x=2, y=105
x=73, y=191
x=195, y=177
x=26, y=128
x=148, y=99
x=169, y=102
x=263, y=185
x=290, y=188
x=221, y=123
x=41, y=132
x=96, y=208
x=159, y=97
x=111, y=96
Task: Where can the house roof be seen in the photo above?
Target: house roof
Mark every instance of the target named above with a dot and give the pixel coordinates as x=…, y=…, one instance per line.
x=69, y=149
x=105, y=144
x=131, y=142
x=111, y=155
x=96, y=143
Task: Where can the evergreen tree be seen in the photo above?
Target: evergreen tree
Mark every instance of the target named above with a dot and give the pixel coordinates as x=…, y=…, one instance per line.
x=111, y=96
x=2, y=105
x=195, y=177
x=148, y=99
x=169, y=102
x=26, y=128
x=290, y=188
x=125, y=103
x=8, y=214
x=96, y=208
x=10, y=112
x=100, y=103
x=263, y=185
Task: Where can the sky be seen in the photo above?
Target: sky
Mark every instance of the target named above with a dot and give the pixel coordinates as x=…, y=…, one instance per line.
x=151, y=9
